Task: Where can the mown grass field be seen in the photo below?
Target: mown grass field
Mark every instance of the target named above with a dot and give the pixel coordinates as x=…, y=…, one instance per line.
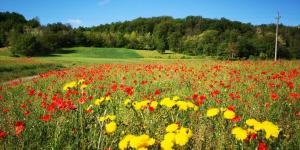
x=12, y=67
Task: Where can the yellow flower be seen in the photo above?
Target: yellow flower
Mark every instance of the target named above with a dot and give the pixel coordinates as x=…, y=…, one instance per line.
x=175, y=98
x=110, y=117
x=170, y=136
x=81, y=81
x=141, y=141
x=107, y=98
x=83, y=86
x=270, y=129
x=254, y=123
x=172, y=127
x=228, y=114
x=153, y=104
x=111, y=127
x=168, y=102
x=123, y=144
x=167, y=145
x=181, y=139
x=212, y=112
x=182, y=105
x=127, y=101
x=70, y=85
x=239, y=133
x=99, y=101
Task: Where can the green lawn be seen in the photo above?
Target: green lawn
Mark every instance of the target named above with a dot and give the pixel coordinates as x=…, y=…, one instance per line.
x=15, y=67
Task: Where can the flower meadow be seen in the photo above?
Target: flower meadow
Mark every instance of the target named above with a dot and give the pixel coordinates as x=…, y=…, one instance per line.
x=170, y=105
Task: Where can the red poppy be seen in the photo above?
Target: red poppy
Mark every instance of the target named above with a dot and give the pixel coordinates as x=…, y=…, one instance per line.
x=253, y=136
x=4, y=110
x=26, y=113
x=114, y=87
x=294, y=95
x=1, y=97
x=151, y=108
x=274, y=96
x=72, y=107
x=232, y=108
x=45, y=118
x=157, y=92
x=19, y=126
x=2, y=134
x=262, y=146
x=236, y=119
x=31, y=92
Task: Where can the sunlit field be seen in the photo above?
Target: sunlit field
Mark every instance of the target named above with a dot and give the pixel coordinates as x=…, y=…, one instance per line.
x=159, y=105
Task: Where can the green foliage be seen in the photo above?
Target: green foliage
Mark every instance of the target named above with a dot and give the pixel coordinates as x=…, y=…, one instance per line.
x=24, y=44
x=193, y=35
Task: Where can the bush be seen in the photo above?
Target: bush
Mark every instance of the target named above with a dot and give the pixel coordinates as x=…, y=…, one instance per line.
x=25, y=44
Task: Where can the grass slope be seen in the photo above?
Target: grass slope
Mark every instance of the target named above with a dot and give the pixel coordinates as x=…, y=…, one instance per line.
x=13, y=67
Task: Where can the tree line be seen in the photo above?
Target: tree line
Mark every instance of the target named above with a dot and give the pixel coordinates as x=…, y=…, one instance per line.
x=193, y=35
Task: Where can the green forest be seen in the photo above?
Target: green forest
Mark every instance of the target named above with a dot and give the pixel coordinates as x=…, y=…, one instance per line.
x=193, y=35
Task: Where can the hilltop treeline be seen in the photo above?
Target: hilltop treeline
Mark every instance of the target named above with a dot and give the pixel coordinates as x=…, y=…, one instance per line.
x=193, y=35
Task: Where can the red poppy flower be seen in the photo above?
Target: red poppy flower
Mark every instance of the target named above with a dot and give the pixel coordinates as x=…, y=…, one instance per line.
x=274, y=96
x=236, y=119
x=31, y=92
x=262, y=146
x=114, y=87
x=294, y=95
x=72, y=107
x=45, y=118
x=157, y=92
x=253, y=136
x=26, y=113
x=2, y=134
x=232, y=108
x=1, y=97
x=19, y=126
x=151, y=108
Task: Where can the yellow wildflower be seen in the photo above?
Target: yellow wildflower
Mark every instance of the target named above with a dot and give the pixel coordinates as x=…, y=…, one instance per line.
x=167, y=145
x=123, y=144
x=111, y=127
x=127, y=101
x=254, y=123
x=172, y=127
x=239, y=133
x=153, y=104
x=270, y=129
x=228, y=114
x=212, y=112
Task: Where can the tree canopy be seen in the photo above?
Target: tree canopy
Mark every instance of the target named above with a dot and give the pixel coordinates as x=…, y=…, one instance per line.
x=193, y=35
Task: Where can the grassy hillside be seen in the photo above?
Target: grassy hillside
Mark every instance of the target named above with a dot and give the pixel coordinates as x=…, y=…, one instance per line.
x=14, y=67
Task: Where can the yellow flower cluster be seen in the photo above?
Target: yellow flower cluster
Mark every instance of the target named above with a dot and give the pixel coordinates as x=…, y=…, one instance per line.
x=69, y=85
x=239, y=133
x=110, y=127
x=98, y=101
x=143, y=104
x=74, y=84
x=141, y=142
x=175, y=135
x=107, y=117
x=212, y=112
x=271, y=129
x=182, y=105
x=228, y=114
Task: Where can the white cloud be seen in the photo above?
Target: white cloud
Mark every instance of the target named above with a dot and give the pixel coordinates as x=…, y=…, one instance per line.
x=74, y=22
x=103, y=2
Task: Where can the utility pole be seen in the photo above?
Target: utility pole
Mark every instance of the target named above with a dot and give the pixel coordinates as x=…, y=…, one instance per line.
x=277, y=19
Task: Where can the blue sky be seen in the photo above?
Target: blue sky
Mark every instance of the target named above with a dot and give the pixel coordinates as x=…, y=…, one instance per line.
x=95, y=12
